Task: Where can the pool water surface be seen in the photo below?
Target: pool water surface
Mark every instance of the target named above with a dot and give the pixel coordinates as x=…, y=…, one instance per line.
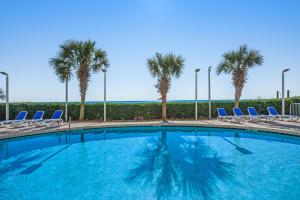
x=151, y=163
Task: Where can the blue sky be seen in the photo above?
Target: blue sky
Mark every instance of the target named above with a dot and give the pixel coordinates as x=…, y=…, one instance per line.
x=132, y=31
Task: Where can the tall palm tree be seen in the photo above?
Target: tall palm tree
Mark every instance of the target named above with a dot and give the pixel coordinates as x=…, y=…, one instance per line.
x=84, y=58
x=237, y=63
x=164, y=68
x=2, y=95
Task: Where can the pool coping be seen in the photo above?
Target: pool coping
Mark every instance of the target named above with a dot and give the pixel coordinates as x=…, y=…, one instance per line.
x=97, y=125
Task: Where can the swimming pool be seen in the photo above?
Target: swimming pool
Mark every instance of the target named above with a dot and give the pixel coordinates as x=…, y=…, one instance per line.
x=151, y=163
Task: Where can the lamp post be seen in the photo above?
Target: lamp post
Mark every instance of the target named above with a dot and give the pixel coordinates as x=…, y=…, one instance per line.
x=6, y=95
x=67, y=100
x=196, y=93
x=67, y=76
x=282, y=100
x=209, y=94
x=104, y=95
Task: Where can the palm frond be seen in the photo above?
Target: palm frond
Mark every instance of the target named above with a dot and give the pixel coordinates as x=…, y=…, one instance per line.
x=253, y=58
x=227, y=64
x=64, y=61
x=154, y=67
x=100, y=60
x=61, y=69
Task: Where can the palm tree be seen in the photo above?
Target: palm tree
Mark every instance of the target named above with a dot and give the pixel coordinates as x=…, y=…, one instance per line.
x=164, y=68
x=85, y=59
x=237, y=63
x=2, y=95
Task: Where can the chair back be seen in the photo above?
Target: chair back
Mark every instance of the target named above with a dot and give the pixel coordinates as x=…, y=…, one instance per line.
x=222, y=112
x=38, y=115
x=272, y=111
x=21, y=115
x=252, y=111
x=238, y=112
x=57, y=114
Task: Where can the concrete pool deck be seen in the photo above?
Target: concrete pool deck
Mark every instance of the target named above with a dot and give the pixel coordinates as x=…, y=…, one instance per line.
x=284, y=127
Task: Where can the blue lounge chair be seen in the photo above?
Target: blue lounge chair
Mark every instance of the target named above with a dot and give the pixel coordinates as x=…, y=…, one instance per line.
x=38, y=117
x=56, y=118
x=222, y=115
x=238, y=114
x=253, y=115
x=21, y=117
x=273, y=114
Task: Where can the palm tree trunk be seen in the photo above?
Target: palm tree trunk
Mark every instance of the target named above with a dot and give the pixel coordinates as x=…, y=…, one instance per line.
x=164, y=107
x=83, y=76
x=81, y=115
x=238, y=82
x=238, y=93
x=236, y=103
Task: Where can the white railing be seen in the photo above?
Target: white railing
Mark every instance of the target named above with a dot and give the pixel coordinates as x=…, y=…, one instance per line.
x=295, y=109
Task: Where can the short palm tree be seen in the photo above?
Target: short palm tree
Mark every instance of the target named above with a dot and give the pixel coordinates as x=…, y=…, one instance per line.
x=237, y=63
x=84, y=58
x=2, y=95
x=164, y=68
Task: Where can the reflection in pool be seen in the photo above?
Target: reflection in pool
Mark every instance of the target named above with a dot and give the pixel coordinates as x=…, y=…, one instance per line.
x=191, y=172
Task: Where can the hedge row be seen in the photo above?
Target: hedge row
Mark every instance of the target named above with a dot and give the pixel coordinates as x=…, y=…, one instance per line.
x=145, y=111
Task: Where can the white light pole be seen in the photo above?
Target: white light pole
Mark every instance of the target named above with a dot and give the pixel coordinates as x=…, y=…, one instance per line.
x=6, y=95
x=67, y=71
x=282, y=100
x=104, y=95
x=67, y=99
x=209, y=94
x=196, y=93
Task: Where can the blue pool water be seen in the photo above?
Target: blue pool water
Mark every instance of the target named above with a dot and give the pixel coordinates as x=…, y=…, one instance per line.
x=151, y=163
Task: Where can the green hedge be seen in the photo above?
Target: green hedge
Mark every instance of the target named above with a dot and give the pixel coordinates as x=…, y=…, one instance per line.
x=145, y=111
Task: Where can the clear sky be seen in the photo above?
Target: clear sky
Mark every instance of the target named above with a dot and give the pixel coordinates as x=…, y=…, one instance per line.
x=132, y=31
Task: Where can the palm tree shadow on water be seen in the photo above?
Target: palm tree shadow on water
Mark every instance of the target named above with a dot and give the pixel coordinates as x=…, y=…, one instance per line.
x=187, y=170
